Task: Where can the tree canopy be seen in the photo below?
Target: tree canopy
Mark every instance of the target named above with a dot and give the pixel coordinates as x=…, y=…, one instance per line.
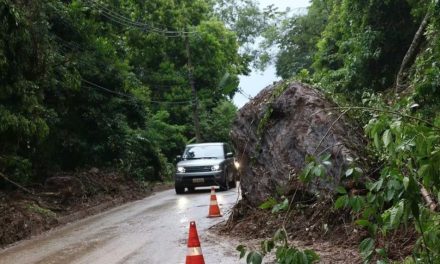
x=105, y=83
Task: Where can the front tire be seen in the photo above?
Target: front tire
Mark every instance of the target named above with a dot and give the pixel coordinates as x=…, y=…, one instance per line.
x=224, y=186
x=179, y=189
x=233, y=183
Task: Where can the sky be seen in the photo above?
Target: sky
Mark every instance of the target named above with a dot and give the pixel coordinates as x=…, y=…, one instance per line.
x=258, y=80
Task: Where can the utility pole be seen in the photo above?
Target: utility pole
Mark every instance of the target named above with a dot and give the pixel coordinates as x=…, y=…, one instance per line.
x=195, y=103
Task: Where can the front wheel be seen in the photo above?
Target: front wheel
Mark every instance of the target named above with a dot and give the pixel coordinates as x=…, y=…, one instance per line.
x=224, y=186
x=179, y=190
x=233, y=183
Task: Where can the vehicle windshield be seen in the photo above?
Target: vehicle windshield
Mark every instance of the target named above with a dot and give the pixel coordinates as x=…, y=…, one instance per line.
x=204, y=152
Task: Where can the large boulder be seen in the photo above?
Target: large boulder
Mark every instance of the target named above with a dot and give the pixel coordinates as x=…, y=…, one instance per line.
x=275, y=132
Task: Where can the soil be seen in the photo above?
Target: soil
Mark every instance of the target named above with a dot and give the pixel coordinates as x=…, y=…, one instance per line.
x=64, y=198
x=317, y=226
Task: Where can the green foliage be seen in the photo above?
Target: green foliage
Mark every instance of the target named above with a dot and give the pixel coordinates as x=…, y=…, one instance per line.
x=362, y=45
x=353, y=50
x=426, y=75
x=315, y=168
x=297, y=38
x=408, y=148
x=276, y=206
x=105, y=83
x=217, y=122
x=284, y=253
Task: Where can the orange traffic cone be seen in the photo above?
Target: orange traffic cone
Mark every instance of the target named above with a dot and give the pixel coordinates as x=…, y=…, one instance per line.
x=214, y=210
x=194, y=255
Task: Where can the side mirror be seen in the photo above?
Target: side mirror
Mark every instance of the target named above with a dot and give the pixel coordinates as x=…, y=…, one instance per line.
x=178, y=158
x=229, y=155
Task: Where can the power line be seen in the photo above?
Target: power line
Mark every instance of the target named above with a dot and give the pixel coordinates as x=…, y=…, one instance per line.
x=125, y=21
x=73, y=46
x=132, y=98
x=248, y=96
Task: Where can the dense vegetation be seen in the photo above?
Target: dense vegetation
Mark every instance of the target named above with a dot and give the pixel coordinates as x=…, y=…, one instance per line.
x=111, y=83
x=108, y=84
x=379, y=60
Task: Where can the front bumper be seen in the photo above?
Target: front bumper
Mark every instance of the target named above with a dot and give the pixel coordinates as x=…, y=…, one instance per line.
x=197, y=179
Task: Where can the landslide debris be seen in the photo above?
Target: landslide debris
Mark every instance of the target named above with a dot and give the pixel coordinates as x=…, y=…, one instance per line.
x=275, y=135
x=276, y=132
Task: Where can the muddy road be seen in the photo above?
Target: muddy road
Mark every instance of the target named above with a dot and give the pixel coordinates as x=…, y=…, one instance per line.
x=149, y=231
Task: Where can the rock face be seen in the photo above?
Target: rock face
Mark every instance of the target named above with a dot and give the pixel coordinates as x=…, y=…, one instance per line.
x=275, y=132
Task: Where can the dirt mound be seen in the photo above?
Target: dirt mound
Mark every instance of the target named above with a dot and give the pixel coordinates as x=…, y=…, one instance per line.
x=63, y=198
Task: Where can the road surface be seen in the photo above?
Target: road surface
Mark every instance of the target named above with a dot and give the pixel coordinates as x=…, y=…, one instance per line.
x=149, y=231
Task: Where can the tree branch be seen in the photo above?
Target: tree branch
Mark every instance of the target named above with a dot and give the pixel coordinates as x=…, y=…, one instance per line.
x=411, y=52
x=16, y=184
x=428, y=199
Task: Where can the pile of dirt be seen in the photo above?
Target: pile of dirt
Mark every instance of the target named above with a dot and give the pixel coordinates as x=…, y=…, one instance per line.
x=63, y=198
x=313, y=226
x=317, y=226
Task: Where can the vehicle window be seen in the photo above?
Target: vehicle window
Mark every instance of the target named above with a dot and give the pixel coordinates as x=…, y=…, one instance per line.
x=204, y=152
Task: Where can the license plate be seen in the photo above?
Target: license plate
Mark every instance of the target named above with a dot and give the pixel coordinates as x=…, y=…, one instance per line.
x=198, y=180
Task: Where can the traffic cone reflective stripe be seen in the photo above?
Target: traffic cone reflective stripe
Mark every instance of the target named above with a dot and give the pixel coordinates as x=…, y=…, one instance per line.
x=194, y=255
x=214, y=210
x=194, y=251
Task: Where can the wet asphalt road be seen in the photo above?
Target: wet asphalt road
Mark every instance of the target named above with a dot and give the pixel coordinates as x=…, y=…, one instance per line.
x=149, y=231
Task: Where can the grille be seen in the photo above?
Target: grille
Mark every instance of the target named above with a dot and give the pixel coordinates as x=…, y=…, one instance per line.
x=198, y=169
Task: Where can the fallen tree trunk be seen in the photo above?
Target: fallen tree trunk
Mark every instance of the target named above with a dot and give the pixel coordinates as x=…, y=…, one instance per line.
x=411, y=53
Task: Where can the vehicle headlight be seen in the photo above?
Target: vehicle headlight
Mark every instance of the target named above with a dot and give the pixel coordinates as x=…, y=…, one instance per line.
x=215, y=168
x=181, y=169
x=237, y=164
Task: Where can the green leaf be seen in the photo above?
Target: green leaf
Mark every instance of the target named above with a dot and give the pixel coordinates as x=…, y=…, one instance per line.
x=382, y=253
x=349, y=172
x=281, y=206
x=242, y=250
x=326, y=157
x=356, y=203
x=405, y=182
x=327, y=163
x=376, y=141
x=254, y=258
x=280, y=235
x=341, y=190
x=376, y=186
x=363, y=222
x=271, y=202
x=341, y=202
x=311, y=255
x=366, y=247
x=318, y=171
x=396, y=214
x=386, y=137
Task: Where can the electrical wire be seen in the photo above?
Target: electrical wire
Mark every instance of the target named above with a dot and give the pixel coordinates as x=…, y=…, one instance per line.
x=240, y=91
x=132, y=98
x=66, y=48
x=125, y=21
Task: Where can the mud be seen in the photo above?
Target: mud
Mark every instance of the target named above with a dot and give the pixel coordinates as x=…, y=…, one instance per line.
x=151, y=230
x=65, y=198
